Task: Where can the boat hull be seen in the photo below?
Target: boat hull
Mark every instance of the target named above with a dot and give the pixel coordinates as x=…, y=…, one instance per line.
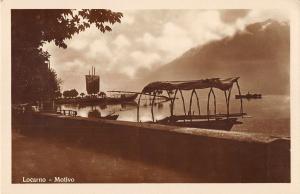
x=249, y=96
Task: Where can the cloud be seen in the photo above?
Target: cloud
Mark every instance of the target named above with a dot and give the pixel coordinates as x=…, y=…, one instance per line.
x=260, y=16
x=78, y=44
x=230, y=16
x=99, y=49
x=171, y=42
x=262, y=52
x=146, y=40
x=145, y=59
x=128, y=19
x=121, y=42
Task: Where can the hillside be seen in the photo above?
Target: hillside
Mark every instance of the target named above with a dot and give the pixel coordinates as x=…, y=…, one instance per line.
x=259, y=55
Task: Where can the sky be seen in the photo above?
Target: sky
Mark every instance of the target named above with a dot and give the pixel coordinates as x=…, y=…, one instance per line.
x=144, y=41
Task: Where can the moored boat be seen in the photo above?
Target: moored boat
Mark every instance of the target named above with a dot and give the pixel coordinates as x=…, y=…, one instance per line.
x=248, y=96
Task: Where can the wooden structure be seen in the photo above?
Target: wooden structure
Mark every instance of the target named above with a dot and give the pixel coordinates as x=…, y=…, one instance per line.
x=214, y=83
x=92, y=82
x=147, y=94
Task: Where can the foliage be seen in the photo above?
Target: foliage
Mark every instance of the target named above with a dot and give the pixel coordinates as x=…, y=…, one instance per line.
x=31, y=78
x=57, y=94
x=102, y=94
x=70, y=93
x=82, y=94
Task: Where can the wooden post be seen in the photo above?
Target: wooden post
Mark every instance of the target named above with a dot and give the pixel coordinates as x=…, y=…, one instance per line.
x=138, y=108
x=228, y=101
x=198, y=103
x=190, y=107
x=208, y=103
x=215, y=103
x=152, y=104
x=172, y=103
x=191, y=101
x=241, y=99
x=183, y=103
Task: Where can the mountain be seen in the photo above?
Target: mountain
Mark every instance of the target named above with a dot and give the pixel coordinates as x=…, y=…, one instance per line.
x=259, y=55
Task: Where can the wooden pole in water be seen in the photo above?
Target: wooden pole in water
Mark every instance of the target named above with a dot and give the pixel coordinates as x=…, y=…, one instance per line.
x=241, y=99
x=208, y=98
x=172, y=103
x=190, y=107
x=152, y=104
x=215, y=103
x=183, y=103
x=198, y=103
x=191, y=101
x=138, y=108
x=229, y=102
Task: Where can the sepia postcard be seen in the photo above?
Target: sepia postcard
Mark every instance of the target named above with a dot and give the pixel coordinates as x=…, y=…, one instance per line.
x=120, y=97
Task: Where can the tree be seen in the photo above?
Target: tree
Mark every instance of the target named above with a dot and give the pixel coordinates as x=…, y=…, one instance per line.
x=82, y=94
x=32, y=79
x=66, y=94
x=70, y=93
x=58, y=94
x=73, y=93
x=102, y=94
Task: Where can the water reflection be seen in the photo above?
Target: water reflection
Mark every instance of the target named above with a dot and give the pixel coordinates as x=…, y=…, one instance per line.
x=94, y=114
x=269, y=115
x=160, y=105
x=268, y=107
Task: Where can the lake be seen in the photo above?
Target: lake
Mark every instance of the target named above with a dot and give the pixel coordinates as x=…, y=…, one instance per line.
x=269, y=115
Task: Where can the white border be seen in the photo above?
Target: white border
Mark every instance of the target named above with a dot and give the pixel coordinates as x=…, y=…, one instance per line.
x=293, y=6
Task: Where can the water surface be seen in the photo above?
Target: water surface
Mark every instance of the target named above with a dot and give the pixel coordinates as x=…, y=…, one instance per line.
x=269, y=115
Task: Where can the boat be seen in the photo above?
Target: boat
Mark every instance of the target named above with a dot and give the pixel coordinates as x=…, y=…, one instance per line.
x=208, y=120
x=121, y=97
x=218, y=124
x=95, y=96
x=248, y=96
x=97, y=114
x=111, y=117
